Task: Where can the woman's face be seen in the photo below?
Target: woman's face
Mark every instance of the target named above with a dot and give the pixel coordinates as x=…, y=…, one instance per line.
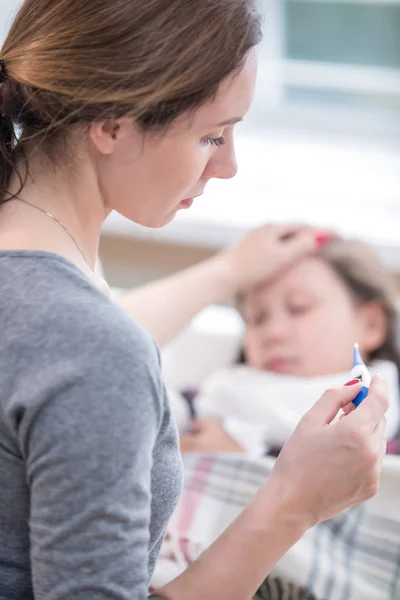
x=148, y=178
x=306, y=323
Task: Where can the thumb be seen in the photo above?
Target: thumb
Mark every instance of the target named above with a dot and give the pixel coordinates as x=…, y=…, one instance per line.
x=327, y=407
x=373, y=408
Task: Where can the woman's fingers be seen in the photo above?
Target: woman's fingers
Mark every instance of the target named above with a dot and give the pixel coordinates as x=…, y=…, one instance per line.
x=268, y=250
x=373, y=408
x=326, y=409
x=331, y=468
x=348, y=409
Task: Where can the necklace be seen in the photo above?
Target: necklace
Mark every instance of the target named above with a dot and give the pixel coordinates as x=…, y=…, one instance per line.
x=62, y=226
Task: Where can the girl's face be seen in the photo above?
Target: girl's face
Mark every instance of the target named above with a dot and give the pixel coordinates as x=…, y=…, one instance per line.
x=148, y=178
x=306, y=323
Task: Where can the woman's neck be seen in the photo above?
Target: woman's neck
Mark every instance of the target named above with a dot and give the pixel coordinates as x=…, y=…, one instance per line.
x=77, y=214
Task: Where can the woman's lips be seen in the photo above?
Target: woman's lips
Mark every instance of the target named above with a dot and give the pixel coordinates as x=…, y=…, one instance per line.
x=187, y=203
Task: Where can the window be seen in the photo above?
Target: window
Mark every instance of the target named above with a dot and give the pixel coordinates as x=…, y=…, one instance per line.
x=332, y=65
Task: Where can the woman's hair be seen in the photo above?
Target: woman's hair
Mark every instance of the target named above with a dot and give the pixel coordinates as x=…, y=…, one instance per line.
x=368, y=280
x=74, y=62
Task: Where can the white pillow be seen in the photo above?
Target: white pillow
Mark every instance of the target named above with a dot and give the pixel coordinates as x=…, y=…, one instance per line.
x=211, y=342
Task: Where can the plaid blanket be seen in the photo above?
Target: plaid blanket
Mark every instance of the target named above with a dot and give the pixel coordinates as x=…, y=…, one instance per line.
x=355, y=556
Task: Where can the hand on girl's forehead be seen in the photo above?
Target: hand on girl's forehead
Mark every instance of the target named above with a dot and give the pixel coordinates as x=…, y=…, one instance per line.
x=289, y=321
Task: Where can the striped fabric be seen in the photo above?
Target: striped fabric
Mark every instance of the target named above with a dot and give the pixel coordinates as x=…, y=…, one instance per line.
x=277, y=589
x=355, y=556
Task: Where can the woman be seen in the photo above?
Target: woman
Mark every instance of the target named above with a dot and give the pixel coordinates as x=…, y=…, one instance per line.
x=131, y=106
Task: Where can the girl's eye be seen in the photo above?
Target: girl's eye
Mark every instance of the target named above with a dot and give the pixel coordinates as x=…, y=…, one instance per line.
x=217, y=142
x=258, y=320
x=299, y=309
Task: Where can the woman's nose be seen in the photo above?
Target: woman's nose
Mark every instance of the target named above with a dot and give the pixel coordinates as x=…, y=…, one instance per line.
x=223, y=164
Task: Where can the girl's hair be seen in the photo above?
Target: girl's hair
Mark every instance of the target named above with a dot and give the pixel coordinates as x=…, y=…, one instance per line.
x=73, y=62
x=368, y=280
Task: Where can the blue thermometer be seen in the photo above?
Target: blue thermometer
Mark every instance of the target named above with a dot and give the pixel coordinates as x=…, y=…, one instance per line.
x=360, y=371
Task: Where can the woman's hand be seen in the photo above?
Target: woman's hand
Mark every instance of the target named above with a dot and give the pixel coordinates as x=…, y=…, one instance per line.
x=259, y=256
x=267, y=250
x=209, y=436
x=327, y=467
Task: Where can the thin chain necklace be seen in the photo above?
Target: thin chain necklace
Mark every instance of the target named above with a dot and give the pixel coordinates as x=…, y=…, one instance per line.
x=62, y=226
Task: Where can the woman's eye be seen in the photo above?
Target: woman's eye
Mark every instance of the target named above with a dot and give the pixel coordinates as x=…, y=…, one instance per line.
x=217, y=142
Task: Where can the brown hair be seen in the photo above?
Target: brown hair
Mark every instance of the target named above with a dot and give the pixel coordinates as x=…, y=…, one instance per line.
x=77, y=61
x=368, y=280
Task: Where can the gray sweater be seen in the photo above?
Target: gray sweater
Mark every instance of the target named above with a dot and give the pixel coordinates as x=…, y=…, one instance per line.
x=90, y=470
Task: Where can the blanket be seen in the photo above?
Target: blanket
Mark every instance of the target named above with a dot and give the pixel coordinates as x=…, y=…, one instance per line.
x=261, y=409
x=355, y=556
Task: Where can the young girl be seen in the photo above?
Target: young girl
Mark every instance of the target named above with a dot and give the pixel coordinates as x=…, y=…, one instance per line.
x=298, y=340
x=130, y=106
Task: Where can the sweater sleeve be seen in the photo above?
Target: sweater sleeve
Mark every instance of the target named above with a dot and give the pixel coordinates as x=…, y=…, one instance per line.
x=87, y=435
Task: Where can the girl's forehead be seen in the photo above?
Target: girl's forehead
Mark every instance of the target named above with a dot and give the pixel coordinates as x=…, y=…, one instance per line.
x=310, y=274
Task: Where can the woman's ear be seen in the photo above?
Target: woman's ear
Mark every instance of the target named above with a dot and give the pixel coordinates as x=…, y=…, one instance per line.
x=106, y=134
x=373, y=326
